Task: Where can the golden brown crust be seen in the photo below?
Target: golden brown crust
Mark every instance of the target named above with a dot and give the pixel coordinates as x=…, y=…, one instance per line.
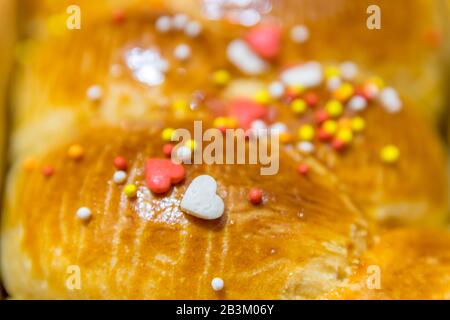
x=301, y=243
x=63, y=106
x=413, y=264
x=147, y=248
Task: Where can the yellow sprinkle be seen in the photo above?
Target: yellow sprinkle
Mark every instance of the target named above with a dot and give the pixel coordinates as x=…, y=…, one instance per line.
x=167, y=134
x=220, y=122
x=306, y=132
x=191, y=144
x=221, y=77
x=344, y=92
x=379, y=82
x=389, y=154
x=296, y=89
x=75, y=152
x=334, y=108
x=231, y=122
x=298, y=106
x=331, y=72
x=225, y=122
x=358, y=124
x=345, y=135
x=180, y=105
x=130, y=190
x=262, y=96
x=29, y=164
x=330, y=126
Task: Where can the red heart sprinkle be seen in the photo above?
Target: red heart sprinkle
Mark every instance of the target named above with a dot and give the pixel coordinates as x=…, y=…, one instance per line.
x=161, y=174
x=246, y=111
x=265, y=40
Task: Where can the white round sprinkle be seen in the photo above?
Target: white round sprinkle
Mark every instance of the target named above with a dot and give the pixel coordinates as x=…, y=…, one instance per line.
x=390, y=100
x=276, y=89
x=180, y=21
x=183, y=153
x=333, y=83
x=84, y=213
x=163, y=24
x=119, y=177
x=193, y=29
x=94, y=92
x=182, y=52
x=248, y=17
x=305, y=147
x=357, y=103
x=278, y=128
x=299, y=33
x=217, y=284
x=349, y=70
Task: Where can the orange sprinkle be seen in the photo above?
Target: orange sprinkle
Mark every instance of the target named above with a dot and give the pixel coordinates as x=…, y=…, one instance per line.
x=48, y=171
x=29, y=164
x=75, y=152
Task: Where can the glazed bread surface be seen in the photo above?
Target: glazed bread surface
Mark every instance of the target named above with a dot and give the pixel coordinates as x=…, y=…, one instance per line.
x=312, y=236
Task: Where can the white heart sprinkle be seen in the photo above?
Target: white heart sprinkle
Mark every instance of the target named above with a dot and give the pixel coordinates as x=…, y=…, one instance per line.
x=242, y=56
x=201, y=200
x=307, y=75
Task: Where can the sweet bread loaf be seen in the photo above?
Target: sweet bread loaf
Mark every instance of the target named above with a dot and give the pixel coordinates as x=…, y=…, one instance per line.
x=94, y=110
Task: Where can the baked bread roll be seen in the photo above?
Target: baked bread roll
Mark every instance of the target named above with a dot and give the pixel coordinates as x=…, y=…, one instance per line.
x=411, y=59
x=421, y=271
x=7, y=36
x=354, y=158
